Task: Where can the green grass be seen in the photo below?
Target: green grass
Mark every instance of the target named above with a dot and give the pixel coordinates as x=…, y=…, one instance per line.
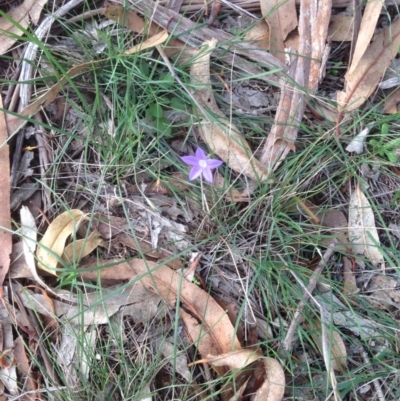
x=260, y=247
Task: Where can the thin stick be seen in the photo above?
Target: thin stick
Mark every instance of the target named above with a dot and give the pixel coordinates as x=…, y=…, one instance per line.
x=287, y=342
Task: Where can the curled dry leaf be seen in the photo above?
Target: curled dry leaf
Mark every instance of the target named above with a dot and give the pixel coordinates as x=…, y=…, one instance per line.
x=53, y=245
x=82, y=247
x=235, y=360
x=273, y=387
x=207, y=323
x=362, y=82
x=222, y=137
x=362, y=230
x=53, y=241
x=29, y=241
x=26, y=13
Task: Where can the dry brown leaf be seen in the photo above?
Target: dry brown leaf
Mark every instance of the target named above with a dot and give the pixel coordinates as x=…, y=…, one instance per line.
x=235, y=360
x=26, y=13
x=155, y=40
x=29, y=241
x=78, y=249
x=222, y=137
x=273, y=386
x=5, y=214
x=98, y=306
x=281, y=17
x=362, y=230
x=361, y=83
x=53, y=243
x=367, y=29
x=18, y=266
x=337, y=348
x=214, y=335
x=24, y=367
x=208, y=324
x=341, y=28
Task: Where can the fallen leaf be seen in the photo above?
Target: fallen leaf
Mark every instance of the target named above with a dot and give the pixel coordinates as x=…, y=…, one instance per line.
x=281, y=17
x=208, y=325
x=155, y=40
x=362, y=230
x=28, y=12
x=5, y=215
x=29, y=241
x=367, y=28
x=18, y=266
x=235, y=360
x=53, y=243
x=362, y=82
x=273, y=387
x=97, y=307
x=78, y=249
x=222, y=137
x=24, y=369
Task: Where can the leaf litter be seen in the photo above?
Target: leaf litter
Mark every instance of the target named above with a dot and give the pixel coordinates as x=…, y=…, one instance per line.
x=146, y=283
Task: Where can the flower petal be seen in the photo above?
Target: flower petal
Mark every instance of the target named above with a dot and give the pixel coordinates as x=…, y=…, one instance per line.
x=207, y=174
x=195, y=172
x=200, y=154
x=191, y=160
x=213, y=163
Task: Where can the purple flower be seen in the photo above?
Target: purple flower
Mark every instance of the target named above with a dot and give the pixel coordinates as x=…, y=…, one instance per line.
x=201, y=165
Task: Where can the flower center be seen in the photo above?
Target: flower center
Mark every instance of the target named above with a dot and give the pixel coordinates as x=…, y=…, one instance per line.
x=202, y=163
